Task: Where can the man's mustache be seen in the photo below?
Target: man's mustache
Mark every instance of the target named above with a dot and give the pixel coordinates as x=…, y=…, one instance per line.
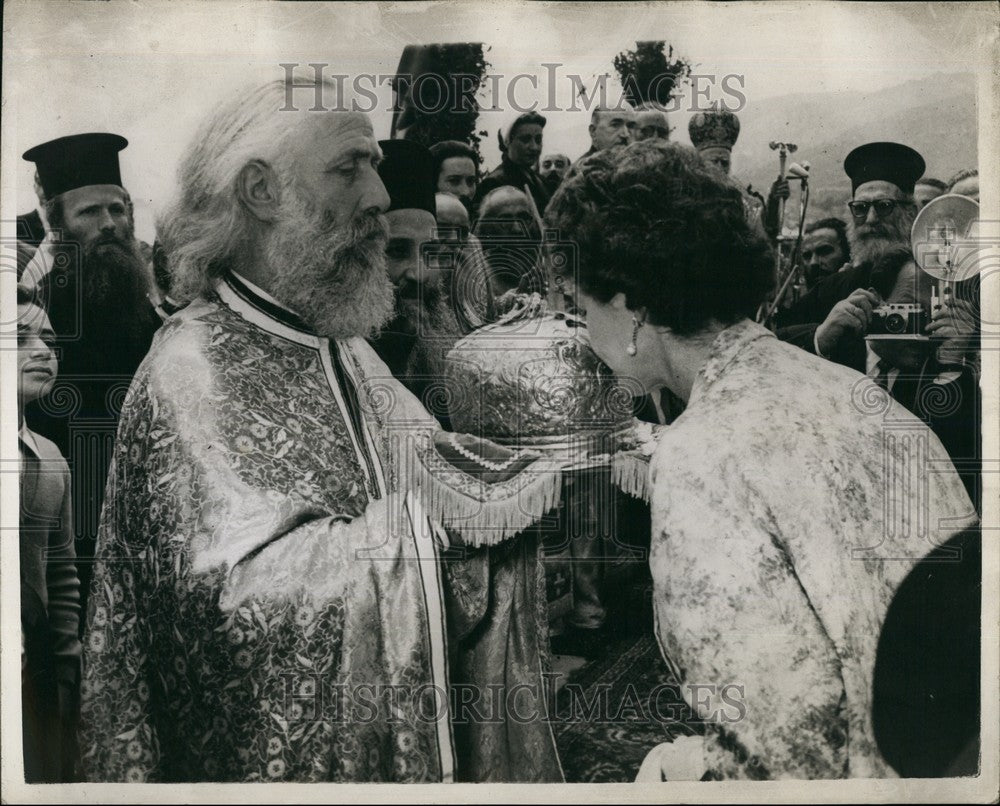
x=112, y=240
x=412, y=293
x=370, y=226
x=409, y=290
x=875, y=231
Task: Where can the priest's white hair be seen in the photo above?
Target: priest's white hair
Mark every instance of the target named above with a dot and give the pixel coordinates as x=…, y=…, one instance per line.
x=205, y=226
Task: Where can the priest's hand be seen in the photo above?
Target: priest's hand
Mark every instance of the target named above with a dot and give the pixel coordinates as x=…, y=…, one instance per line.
x=779, y=191
x=849, y=318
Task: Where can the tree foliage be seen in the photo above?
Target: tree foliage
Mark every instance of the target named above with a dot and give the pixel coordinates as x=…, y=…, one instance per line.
x=451, y=77
x=650, y=75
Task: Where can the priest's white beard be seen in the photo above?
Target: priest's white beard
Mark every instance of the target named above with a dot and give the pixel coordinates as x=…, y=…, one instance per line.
x=336, y=280
x=871, y=242
x=433, y=319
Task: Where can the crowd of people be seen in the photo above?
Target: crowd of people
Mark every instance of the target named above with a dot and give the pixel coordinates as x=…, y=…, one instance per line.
x=219, y=544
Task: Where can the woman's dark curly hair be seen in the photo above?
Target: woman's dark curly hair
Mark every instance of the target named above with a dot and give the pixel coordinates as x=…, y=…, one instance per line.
x=652, y=221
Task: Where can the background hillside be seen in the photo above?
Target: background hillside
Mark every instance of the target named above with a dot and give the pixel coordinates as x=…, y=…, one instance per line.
x=935, y=115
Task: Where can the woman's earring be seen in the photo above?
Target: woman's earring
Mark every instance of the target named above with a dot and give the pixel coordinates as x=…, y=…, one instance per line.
x=632, y=349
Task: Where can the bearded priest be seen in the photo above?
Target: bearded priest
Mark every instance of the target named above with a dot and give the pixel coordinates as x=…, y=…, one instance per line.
x=267, y=602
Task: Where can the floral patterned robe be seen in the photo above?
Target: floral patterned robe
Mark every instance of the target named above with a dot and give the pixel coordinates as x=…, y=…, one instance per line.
x=789, y=501
x=265, y=606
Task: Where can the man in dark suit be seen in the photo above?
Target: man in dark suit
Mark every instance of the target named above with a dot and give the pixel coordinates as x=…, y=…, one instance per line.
x=521, y=147
x=50, y=587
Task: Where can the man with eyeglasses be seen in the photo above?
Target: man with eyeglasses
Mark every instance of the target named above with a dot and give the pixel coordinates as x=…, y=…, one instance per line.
x=917, y=370
x=881, y=214
x=883, y=207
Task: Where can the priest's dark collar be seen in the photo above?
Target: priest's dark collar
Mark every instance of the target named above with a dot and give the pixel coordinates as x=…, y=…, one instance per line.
x=255, y=305
x=256, y=296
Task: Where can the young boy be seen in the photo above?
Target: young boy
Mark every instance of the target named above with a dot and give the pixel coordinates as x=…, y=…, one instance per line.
x=50, y=587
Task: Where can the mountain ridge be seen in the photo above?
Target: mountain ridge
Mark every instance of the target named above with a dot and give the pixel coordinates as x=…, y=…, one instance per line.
x=936, y=115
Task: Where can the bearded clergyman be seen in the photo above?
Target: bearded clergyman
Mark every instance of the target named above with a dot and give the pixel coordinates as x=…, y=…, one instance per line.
x=424, y=326
x=266, y=603
x=94, y=283
x=882, y=210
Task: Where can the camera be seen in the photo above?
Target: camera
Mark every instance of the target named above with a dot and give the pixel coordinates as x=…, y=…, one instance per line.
x=898, y=320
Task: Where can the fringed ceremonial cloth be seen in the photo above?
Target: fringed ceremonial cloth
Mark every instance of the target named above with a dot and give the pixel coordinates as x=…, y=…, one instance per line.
x=267, y=602
x=789, y=502
x=530, y=382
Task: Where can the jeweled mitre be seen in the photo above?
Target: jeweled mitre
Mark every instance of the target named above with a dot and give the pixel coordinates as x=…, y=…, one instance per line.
x=533, y=381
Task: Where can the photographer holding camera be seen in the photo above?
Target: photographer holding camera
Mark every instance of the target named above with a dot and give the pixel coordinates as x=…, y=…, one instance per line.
x=924, y=356
x=921, y=354
x=882, y=210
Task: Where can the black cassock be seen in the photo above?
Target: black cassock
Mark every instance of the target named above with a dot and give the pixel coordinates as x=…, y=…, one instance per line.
x=97, y=360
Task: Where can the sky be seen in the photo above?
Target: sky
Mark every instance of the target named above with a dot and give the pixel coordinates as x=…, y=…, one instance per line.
x=151, y=70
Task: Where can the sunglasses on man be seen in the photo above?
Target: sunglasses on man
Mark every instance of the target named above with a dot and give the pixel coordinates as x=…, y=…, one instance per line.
x=883, y=207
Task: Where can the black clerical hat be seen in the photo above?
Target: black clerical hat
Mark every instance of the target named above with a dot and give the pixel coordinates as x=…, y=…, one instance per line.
x=407, y=171
x=886, y=162
x=77, y=161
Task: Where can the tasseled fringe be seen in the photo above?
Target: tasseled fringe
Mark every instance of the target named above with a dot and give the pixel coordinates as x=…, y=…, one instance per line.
x=630, y=473
x=487, y=523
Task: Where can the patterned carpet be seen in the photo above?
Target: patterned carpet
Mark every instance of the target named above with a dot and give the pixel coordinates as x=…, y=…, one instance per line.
x=615, y=710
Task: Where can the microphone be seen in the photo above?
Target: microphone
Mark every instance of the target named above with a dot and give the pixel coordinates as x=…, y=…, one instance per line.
x=799, y=171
